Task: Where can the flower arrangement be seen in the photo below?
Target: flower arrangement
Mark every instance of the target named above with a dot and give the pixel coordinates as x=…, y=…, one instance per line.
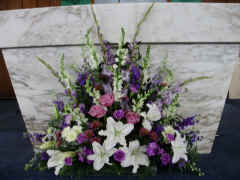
x=116, y=118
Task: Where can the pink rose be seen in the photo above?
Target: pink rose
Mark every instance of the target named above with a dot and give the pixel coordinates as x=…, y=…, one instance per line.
x=97, y=111
x=132, y=117
x=107, y=100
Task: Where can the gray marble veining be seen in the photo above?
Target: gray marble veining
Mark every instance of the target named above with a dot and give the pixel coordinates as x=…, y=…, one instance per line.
x=34, y=85
x=168, y=22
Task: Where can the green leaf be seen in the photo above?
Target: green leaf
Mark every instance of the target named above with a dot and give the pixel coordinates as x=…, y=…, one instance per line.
x=186, y=82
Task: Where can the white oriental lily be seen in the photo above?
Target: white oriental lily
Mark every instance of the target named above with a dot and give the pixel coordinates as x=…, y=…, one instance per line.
x=116, y=132
x=57, y=159
x=179, y=147
x=101, y=155
x=135, y=156
x=152, y=115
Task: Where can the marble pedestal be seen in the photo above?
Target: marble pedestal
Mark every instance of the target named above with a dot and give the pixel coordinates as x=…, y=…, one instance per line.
x=199, y=39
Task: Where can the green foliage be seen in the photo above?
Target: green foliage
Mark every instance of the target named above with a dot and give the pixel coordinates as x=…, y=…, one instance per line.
x=186, y=82
x=141, y=22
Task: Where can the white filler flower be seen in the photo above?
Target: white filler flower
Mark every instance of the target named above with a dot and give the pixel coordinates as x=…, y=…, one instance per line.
x=101, y=155
x=71, y=134
x=116, y=132
x=135, y=156
x=179, y=147
x=152, y=115
x=57, y=159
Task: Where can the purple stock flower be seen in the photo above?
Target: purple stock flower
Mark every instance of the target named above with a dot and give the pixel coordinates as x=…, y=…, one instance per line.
x=118, y=114
x=190, y=121
x=119, y=156
x=152, y=149
x=82, y=77
x=160, y=151
x=159, y=128
x=81, y=156
x=135, y=73
x=167, y=98
x=109, y=55
x=74, y=94
x=81, y=138
x=107, y=88
x=68, y=161
x=134, y=88
x=82, y=108
x=88, y=152
x=170, y=137
x=181, y=164
x=44, y=156
x=60, y=105
x=166, y=159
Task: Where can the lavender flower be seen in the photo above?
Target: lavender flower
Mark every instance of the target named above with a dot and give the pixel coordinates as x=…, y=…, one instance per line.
x=107, y=88
x=119, y=156
x=167, y=98
x=68, y=119
x=190, y=121
x=82, y=77
x=134, y=88
x=81, y=138
x=152, y=149
x=82, y=108
x=181, y=163
x=135, y=73
x=60, y=105
x=118, y=114
x=81, y=156
x=68, y=161
x=44, y=156
x=159, y=128
x=170, y=137
x=166, y=159
x=38, y=137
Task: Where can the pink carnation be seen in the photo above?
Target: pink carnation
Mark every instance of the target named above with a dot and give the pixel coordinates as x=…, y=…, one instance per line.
x=107, y=100
x=132, y=117
x=97, y=111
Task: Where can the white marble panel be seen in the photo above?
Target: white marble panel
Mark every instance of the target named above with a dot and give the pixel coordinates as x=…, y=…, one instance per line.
x=168, y=22
x=34, y=84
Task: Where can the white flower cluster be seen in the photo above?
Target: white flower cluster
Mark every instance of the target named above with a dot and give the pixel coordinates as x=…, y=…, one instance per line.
x=135, y=154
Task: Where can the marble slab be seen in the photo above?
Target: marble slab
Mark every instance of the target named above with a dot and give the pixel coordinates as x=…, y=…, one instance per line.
x=34, y=85
x=168, y=22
